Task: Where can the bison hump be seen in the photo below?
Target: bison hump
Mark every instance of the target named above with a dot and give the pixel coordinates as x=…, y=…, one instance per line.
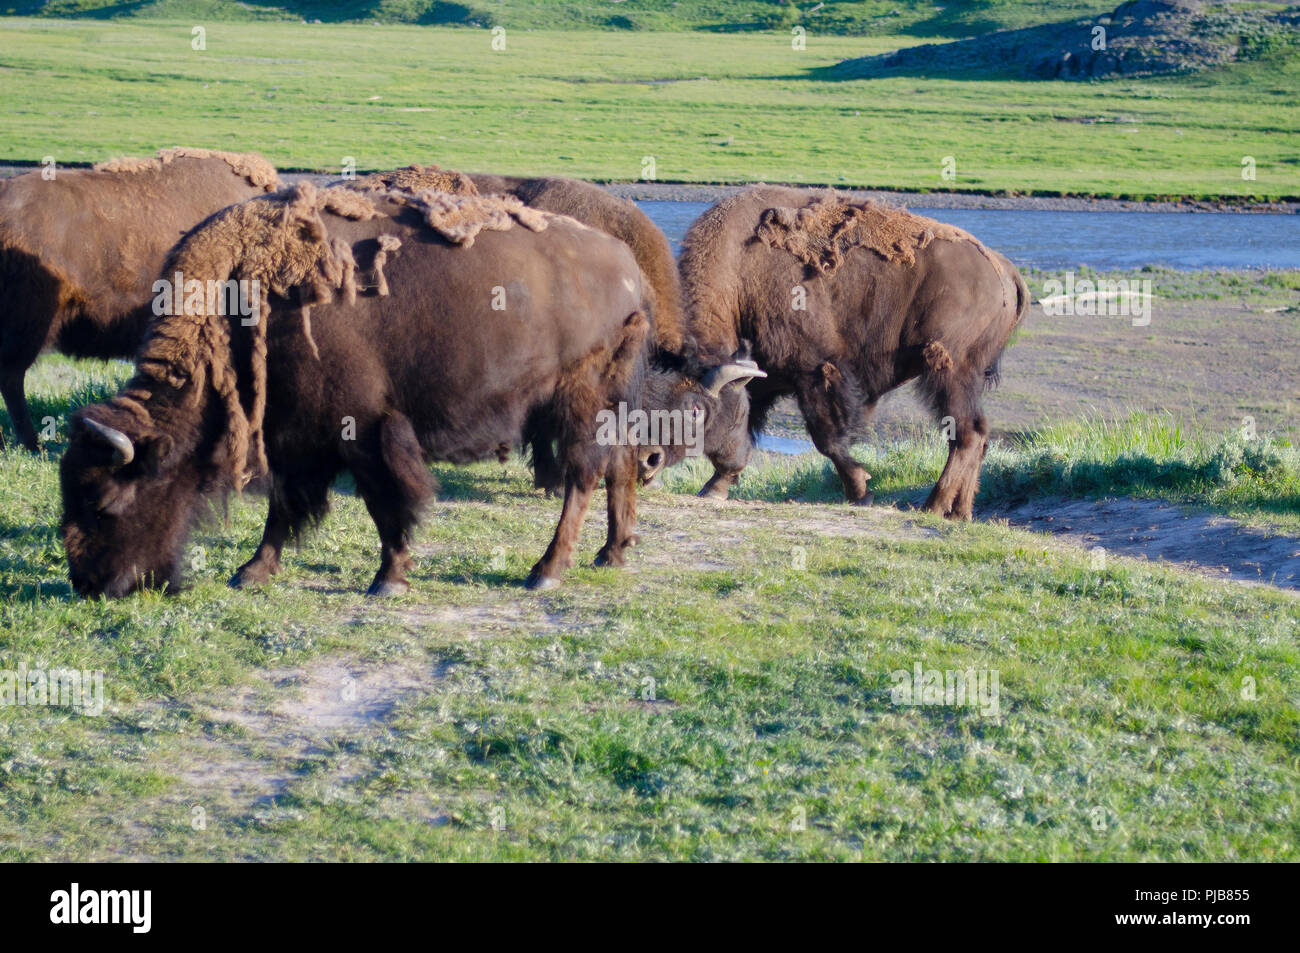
x=822, y=232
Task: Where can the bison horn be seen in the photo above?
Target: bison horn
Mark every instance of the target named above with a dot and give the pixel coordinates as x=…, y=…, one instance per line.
x=123, y=449
x=724, y=374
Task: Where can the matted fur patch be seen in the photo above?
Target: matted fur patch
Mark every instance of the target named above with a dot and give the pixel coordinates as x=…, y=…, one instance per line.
x=249, y=165
x=820, y=233
x=418, y=178
x=459, y=218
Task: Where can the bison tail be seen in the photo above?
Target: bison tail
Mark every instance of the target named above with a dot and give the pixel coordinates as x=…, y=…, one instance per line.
x=993, y=373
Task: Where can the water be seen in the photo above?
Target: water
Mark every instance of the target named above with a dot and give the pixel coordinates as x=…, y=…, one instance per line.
x=1104, y=240
x=774, y=444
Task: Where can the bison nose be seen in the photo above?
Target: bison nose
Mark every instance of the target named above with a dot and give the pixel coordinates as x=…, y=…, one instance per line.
x=649, y=463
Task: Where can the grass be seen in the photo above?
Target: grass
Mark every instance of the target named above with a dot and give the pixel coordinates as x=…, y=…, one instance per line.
x=726, y=697
x=1260, y=287
x=840, y=17
x=1250, y=476
x=705, y=107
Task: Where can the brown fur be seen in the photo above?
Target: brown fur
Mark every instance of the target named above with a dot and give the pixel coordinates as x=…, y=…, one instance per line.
x=597, y=208
x=214, y=401
x=821, y=232
x=419, y=178
x=937, y=358
x=886, y=296
x=79, y=253
x=249, y=165
x=388, y=245
x=459, y=218
x=281, y=243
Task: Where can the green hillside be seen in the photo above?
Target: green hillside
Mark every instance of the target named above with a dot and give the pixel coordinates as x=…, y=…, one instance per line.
x=839, y=17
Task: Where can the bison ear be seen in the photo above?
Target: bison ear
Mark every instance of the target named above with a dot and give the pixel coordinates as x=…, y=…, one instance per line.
x=158, y=453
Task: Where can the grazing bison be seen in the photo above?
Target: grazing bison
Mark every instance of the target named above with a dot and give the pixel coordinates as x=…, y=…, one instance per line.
x=79, y=253
x=396, y=328
x=597, y=208
x=844, y=302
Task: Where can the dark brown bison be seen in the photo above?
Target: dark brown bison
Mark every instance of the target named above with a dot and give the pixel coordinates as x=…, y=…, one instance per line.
x=593, y=206
x=79, y=253
x=397, y=328
x=844, y=302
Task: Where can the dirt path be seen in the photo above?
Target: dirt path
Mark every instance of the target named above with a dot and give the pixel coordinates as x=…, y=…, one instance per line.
x=1150, y=529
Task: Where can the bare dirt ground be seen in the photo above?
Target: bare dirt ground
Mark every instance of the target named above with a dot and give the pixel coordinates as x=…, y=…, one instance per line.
x=1150, y=529
x=1211, y=363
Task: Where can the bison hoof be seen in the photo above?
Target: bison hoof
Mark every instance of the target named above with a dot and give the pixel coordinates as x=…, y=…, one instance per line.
x=245, y=580
x=864, y=501
x=714, y=493
x=388, y=587
x=537, y=581
x=610, y=557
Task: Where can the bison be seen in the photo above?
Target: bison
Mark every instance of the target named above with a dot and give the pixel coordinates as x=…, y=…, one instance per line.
x=396, y=328
x=844, y=302
x=79, y=253
x=597, y=208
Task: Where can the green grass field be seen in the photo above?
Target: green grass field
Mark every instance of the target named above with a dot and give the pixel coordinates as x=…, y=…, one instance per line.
x=726, y=697
x=853, y=17
x=705, y=107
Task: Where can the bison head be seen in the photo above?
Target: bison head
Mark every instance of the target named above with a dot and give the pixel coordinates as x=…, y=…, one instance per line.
x=128, y=499
x=714, y=405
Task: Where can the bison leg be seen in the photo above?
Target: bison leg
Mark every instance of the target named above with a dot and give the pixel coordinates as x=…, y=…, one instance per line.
x=620, y=495
x=954, y=495
x=539, y=433
x=296, y=499
x=394, y=484
x=11, y=387
x=266, y=560
x=720, y=484
x=579, y=485
x=548, y=475
x=831, y=412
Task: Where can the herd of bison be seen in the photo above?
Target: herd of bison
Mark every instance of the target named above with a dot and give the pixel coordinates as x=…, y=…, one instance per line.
x=285, y=335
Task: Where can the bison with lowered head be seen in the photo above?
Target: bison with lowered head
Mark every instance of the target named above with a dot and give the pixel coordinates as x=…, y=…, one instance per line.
x=844, y=302
x=79, y=253
x=674, y=352
x=396, y=328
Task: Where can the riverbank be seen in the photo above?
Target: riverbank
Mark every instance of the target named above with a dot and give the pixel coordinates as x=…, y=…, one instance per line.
x=688, y=192
x=706, y=192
